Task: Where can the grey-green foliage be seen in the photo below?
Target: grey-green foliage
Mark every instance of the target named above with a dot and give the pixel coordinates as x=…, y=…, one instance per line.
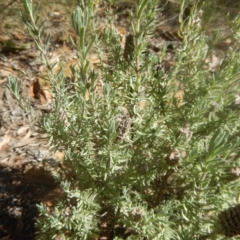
x=167, y=175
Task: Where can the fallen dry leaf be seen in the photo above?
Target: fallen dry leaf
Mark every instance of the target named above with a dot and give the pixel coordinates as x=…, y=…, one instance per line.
x=6, y=140
x=5, y=73
x=38, y=91
x=3, y=81
x=12, y=162
x=22, y=130
x=18, y=36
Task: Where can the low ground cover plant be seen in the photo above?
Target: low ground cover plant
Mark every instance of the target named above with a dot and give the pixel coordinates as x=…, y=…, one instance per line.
x=155, y=152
